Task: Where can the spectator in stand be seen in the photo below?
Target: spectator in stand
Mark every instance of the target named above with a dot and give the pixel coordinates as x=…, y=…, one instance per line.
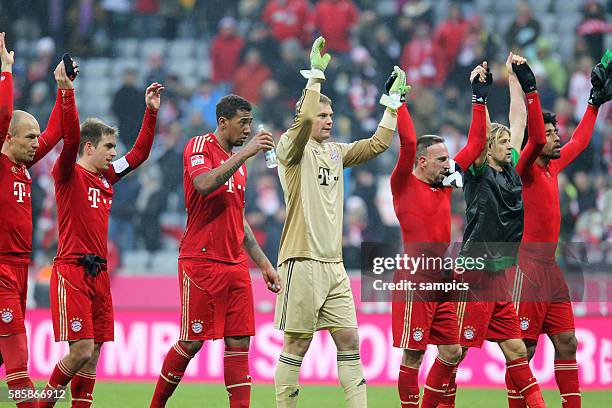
x=285, y=72
x=225, y=52
x=156, y=68
x=204, y=102
x=276, y=108
x=552, y=66
x=288, y=19
x=147, y=19
x=447, y=42
x=580, y=86
x=593, y=28
x=383, y=48
x=40, y=105
x=418, y=58
x=128, y=108
x=249, y=77
x=334, y=20
x=524, y=31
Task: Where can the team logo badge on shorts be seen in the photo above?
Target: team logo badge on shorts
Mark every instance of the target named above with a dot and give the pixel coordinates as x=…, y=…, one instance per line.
x=524, y=323
x=76, y=324
x=197, y=326
x=469, y=332
x=7, y=316
x=417, y=334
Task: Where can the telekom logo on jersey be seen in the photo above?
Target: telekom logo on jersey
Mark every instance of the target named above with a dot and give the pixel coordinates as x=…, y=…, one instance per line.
x=19, y=191
x=94, y=196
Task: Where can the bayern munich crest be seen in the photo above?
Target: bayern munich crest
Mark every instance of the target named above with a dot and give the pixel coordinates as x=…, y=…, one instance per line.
x=76, y=324
x=197, y=326
x=417, y=334
x=7, y=316
x=524, y=323
x=469, y=332
x=105, y=182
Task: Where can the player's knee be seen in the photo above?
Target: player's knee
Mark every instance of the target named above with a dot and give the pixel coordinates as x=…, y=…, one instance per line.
x=513, y=349
x=345, y=339
x=242, y=342
x=450, y=353
x=192, y=347
x=81, y=352
x=565, y=345
x=296, y=344
x=413, y=358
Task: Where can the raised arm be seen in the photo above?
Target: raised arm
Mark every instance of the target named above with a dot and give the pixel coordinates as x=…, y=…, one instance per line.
x=537, y=135
x=64, y=166
x=269, y=274
x=601, y=92
x=142, y=147
x=54, y=132
x=407, y=152
x=363, y=150
x=292, y=143
x=6, y=89
x=518, y=111
x=535, y=123
x=481, y=80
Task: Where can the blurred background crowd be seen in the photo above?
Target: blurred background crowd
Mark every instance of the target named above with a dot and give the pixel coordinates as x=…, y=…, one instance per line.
x=201, y=50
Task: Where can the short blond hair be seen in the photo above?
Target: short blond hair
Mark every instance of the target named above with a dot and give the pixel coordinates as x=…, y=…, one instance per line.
x=496, y=132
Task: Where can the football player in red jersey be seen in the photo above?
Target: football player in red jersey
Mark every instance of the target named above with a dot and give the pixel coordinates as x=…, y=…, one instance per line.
x=539, y=275
x=215, y=284
x=81, y=303
x=421, y=186
x=22, y=146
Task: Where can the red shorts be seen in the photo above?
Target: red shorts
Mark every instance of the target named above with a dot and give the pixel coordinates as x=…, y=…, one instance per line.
x=419, y=323
x=480, y=321
x=13, y=295
x=216, y=300
x=542, y=281
x=81, y=305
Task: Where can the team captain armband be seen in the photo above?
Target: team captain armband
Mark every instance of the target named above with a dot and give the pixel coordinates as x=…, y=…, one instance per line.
x=454, y=176
x=122, y=167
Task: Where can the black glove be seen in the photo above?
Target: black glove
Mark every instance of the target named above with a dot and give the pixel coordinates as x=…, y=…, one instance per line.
x=480, y=90
x=72, y=69
x=389, y=83
x=601, y=79
x=525, y=77
x=93, y=264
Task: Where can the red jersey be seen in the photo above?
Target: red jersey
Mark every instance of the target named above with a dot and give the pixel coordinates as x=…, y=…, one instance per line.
x=423, y=210
x=334, y=19
x=15, y=181
x=215, y=223
x=84, y=198
x=541, y=189
x=287, y=19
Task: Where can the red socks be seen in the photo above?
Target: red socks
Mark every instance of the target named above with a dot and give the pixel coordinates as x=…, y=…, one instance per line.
x=448, y=399
x=521, y=375
x=408, y=386
x=18, y=379
x=438, y=380
x=59, y=378
x=172, y=372
x=566, y=375
x=515, y=399
x=81, y=387
x=237, y=378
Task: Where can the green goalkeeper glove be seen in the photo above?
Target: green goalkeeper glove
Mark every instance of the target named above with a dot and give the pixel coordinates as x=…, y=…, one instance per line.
x=396, y=88
x=318, y=62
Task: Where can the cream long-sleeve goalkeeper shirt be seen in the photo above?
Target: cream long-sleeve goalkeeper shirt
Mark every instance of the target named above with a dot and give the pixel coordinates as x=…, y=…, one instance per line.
x=311, y=174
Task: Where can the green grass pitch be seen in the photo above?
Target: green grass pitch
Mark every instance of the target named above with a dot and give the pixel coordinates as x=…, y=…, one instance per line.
x=189, y=394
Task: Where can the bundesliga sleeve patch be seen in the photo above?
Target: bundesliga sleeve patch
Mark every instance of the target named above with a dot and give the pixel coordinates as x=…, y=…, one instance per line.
x=197, y=160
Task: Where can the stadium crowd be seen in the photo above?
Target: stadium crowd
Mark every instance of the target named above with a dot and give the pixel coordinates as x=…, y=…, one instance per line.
x=255, y=48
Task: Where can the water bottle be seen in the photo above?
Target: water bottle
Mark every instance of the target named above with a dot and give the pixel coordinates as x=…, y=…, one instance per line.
x=271, y=161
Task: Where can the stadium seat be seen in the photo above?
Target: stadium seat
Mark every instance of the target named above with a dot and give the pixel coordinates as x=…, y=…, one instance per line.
x=95, y=67
x=183, y=48
x=151, y=46
x=126, y=47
